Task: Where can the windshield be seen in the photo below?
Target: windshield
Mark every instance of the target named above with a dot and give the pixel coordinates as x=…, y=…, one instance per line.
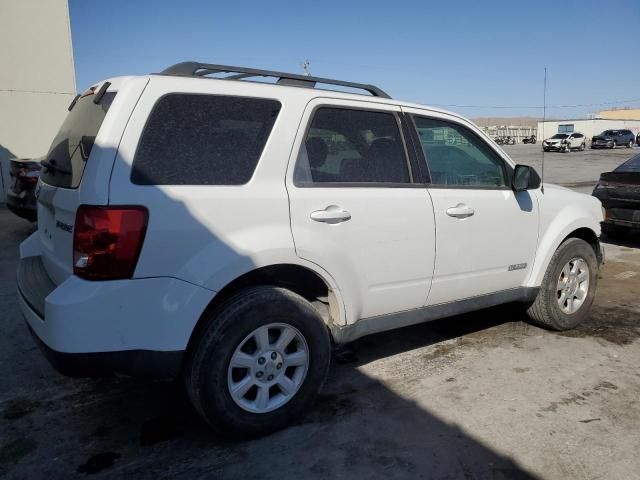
x=560, y=135
x=71, y=147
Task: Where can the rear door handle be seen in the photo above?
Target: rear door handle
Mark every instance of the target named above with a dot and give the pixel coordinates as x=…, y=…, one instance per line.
x=332, y=214
x=460, y=211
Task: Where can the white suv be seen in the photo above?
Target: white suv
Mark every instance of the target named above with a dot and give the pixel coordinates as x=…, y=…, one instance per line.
x=228, y=231
x=565, y=142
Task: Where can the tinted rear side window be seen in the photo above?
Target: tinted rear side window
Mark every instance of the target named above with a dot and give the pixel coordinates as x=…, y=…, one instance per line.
x=192, y=139
x=69, y=152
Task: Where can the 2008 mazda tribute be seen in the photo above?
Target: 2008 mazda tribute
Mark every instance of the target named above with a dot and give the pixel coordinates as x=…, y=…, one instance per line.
x=196, y=223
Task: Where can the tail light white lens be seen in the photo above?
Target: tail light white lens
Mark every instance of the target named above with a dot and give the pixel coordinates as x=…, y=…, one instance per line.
x=107, y=241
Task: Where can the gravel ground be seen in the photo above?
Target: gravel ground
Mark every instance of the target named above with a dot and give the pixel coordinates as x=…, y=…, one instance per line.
x=482, y=395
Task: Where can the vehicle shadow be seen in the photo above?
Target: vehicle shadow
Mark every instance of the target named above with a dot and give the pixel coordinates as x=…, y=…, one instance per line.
x=360, y=427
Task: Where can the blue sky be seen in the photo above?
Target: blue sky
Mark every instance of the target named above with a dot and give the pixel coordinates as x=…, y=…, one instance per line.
x=464, y=53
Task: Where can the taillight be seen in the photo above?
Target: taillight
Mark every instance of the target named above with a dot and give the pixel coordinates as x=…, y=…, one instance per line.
x=107, y=241
x=29, y=176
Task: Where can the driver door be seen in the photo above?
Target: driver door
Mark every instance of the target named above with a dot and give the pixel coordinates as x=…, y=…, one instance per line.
x=486, y=234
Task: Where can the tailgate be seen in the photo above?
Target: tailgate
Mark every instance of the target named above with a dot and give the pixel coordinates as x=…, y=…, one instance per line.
x=58, y=192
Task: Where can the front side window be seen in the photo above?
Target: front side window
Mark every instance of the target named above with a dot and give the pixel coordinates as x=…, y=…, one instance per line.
x=351, y=146
x=196, y=139
x=457, y=157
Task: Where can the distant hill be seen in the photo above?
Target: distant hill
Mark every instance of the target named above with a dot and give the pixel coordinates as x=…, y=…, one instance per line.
x=516, y=121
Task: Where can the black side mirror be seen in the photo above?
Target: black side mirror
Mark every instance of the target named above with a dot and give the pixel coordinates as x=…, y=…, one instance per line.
x=525, y=178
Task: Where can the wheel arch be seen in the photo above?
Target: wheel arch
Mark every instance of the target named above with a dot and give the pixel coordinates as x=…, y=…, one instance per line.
x=549, y=245
x=318, y=288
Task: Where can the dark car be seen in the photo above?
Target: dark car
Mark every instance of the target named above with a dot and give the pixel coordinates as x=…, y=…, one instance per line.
x=21, y=199
x=638, y=139
x=613, y=139
x=619, y=192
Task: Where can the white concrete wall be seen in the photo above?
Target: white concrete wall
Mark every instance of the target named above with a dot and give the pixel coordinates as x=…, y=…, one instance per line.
x=588, y=127
x=37, y=78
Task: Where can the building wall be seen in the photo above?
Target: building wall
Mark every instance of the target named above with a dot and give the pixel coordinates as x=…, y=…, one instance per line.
x=621, y=114
x=587, y=127
x=37, y=79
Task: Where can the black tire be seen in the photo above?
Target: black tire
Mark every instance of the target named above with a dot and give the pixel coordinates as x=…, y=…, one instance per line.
x=582, y=147
x=614, y=144
x=630, y=144
x=227, y=326
x=613, y=231
x=545, y=310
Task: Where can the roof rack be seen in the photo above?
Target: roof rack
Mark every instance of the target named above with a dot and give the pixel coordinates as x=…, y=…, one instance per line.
x=196, y=69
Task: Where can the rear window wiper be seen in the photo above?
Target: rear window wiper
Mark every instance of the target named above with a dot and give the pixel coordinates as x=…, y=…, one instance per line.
x=50, y=165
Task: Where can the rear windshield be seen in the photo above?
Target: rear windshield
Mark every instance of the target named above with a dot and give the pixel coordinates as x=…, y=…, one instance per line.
x=194, y=139
x=631, y=165
x=69, y=152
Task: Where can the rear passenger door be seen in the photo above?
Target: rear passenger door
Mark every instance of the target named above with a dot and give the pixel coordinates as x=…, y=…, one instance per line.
x=486, y=234
x=355, y=208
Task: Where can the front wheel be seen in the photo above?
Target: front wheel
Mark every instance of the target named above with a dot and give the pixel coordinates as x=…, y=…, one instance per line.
x=582, y=147
x=613, y=144
x=260, y=361
x=568, y=287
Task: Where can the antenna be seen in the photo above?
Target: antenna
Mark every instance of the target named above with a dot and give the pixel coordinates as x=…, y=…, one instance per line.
x=305, y=67
x=544, y=118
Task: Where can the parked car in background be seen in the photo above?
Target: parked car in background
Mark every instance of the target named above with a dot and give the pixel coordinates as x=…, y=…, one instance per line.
x=228, y=241
x=613, y=139
x=565, y=142
x=23, y=178
x=532, y=139
x=619, y=192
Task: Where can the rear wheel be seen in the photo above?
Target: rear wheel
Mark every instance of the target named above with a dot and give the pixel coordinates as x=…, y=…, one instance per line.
x=259, y=363
x=630, y=144
x=568, y=287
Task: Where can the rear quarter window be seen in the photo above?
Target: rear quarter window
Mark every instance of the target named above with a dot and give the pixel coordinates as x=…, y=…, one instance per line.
x=631, y=165
x=194, y=139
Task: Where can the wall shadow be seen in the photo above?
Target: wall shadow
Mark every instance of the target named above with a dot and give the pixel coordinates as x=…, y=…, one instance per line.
x=115, y=427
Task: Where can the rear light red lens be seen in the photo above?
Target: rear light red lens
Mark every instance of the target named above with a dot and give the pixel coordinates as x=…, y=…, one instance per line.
x=107, y=241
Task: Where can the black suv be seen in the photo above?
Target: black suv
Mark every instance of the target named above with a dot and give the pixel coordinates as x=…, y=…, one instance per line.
x=613, y=139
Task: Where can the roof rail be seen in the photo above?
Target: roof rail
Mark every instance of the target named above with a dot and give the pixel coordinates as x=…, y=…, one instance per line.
x=196, y=69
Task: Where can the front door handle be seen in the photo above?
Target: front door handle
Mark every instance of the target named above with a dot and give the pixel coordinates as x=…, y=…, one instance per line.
x=460, y=211
x=332, y=214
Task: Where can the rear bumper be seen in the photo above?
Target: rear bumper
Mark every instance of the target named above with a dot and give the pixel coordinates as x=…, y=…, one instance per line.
x=137, y=327
x=137, y=363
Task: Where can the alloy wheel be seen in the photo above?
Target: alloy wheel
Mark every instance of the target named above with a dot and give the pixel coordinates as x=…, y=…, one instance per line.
x=573, y=285
x=268, y=368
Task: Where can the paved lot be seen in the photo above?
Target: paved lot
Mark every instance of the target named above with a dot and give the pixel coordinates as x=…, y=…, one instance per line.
x=479, y=396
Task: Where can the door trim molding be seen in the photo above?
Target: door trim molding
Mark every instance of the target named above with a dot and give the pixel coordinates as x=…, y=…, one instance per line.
x=381, y=323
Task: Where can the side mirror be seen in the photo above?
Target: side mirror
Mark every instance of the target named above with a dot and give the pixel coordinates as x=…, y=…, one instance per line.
x=525, y=178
